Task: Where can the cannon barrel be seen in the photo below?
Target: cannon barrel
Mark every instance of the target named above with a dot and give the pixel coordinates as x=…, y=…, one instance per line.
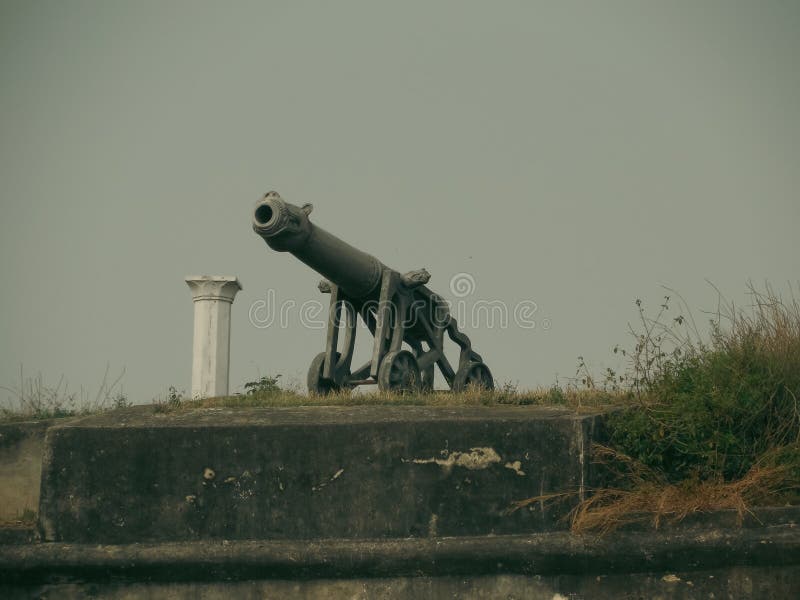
x=287, y=228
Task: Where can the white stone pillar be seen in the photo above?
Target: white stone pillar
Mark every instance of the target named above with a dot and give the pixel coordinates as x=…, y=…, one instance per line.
x=213, y=296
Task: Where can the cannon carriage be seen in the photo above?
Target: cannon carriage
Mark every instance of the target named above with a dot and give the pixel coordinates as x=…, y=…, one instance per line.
x=396, y=308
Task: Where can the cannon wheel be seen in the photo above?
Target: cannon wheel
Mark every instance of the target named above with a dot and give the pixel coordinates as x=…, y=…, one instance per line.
x=399, y=372
x=475, y=374
x=316, y=383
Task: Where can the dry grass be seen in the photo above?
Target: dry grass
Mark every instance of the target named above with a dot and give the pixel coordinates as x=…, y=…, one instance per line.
x=35, y=399
x=649, y=498
x=607, y=509
x=573, y=399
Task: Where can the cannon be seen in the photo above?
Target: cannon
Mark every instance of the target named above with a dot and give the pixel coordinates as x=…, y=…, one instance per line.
x=407, y=320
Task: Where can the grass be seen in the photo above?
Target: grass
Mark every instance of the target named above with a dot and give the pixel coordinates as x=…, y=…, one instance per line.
x=574, y=399
x=641, y=495
x=34, y=399
x=713, y=410
x=704, y=425
x=654, y=500
x=266, y=392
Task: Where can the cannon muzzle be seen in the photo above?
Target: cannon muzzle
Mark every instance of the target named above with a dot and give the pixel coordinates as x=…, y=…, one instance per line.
x=283, y=226
x=287, y=228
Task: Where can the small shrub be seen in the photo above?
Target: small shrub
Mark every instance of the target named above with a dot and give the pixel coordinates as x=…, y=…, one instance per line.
x=173, y=401
x=712, y=411
x=120, y=400
x=264, y=385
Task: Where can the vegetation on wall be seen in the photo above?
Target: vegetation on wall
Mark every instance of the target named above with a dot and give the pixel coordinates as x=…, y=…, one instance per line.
x=699, y=422
x=704, y=424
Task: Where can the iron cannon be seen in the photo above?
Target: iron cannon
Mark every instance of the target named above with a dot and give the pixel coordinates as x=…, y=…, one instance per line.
x=407, y=320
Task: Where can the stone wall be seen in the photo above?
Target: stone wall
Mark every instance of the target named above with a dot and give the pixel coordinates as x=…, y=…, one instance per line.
x=353, y=472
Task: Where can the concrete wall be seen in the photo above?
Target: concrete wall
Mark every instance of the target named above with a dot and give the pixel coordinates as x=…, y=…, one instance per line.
x=21, y=448
x=741, y=583
x=299, y=473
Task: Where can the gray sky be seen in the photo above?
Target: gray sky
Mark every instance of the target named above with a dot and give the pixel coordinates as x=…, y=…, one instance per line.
x=574, y=154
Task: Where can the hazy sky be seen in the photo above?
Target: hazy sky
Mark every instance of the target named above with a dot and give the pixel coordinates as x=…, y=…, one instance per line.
x=573, y=154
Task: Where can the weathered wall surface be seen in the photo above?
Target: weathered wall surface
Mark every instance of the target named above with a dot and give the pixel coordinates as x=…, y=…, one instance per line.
x=348, y=472
x=742, y=583
x=21, y=447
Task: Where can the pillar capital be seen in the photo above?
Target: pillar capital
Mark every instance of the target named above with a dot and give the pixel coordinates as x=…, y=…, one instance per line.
x=213, y=287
